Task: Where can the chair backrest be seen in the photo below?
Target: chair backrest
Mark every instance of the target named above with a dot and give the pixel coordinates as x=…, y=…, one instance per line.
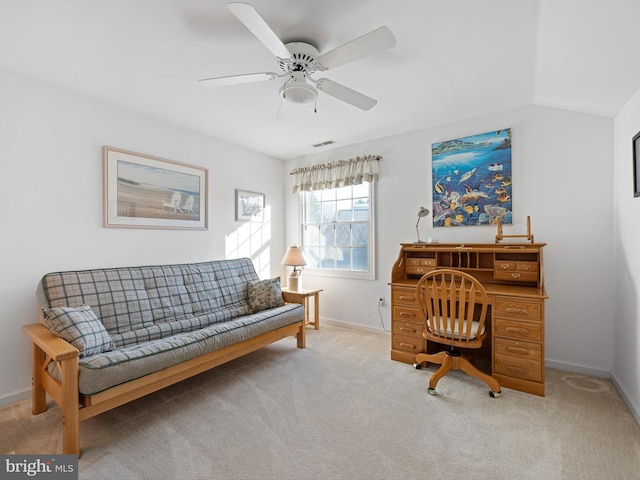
x=454, y=307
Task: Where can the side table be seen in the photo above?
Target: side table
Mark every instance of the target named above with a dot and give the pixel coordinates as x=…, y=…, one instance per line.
x=302, y=297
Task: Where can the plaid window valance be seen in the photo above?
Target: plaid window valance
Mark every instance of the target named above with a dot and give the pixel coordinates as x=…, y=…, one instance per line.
x=336, y=174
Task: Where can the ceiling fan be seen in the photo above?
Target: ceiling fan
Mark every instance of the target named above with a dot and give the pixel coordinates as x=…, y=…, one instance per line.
x=299, y=60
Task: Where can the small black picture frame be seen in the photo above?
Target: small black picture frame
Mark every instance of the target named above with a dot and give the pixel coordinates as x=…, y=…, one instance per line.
x=636, y=165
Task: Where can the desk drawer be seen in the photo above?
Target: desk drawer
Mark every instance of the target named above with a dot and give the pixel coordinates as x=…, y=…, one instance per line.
x=405, y=296
x=509, y=307
x=517, y=330
x=408, y=344
x=515, y=276
x=522, y=350
x=407, y=314
x=419, y=270
x=408, y=329
x=518, y=368
x=512, y=265
x=527, y=266
x=421, y=262
x=504, y=265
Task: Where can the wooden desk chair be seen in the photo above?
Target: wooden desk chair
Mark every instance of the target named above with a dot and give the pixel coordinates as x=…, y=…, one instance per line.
x=454, y=306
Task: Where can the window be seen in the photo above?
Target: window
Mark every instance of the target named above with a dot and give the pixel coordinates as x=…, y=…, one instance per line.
x=337, y=231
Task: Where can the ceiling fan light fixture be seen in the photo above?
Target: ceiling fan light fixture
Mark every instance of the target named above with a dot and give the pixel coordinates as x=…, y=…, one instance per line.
x=297, y=90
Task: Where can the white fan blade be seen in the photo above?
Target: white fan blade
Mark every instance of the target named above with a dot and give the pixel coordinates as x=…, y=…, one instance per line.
x=369, y=43
x=237, y=79
x=256, y=25
x=345, y=94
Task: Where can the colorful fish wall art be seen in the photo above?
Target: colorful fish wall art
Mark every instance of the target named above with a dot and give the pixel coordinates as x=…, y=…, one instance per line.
x=472, y=182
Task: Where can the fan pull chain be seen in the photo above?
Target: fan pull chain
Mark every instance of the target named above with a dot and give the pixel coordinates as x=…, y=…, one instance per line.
x=284, y=89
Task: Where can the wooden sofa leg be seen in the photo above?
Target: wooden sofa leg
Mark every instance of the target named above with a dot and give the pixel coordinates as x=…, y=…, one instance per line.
x=38, y=393
x=70, y=407
x=302, y=335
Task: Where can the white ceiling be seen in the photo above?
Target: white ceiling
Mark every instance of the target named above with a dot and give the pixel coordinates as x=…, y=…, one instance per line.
x=454, y=59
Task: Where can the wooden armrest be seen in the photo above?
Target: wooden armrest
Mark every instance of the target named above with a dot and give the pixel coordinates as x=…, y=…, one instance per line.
x=57, y=348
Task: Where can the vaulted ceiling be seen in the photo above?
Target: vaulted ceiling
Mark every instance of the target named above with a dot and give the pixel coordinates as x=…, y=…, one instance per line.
x=453, y=59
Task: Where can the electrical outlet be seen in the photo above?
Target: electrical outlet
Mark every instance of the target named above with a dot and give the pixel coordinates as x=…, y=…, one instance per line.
x=381, y=301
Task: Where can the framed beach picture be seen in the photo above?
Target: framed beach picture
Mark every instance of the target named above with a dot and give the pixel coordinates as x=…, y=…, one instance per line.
x=141, y=191
x=472, y=180
x=249, y=206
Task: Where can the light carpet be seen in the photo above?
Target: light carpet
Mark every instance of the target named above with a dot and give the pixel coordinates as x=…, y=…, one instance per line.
x=341, y=409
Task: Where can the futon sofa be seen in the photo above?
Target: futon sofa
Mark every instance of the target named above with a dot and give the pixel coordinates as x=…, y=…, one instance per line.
x=109, y=336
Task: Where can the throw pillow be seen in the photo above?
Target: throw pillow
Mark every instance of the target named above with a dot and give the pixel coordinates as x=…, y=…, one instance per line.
x=80, y=327
x=265, y=294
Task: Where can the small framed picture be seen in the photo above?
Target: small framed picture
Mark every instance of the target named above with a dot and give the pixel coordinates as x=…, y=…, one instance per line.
x=636, y=165
x=249, y=206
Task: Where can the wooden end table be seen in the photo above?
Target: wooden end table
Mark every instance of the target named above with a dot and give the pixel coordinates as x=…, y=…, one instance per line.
x=302, y=297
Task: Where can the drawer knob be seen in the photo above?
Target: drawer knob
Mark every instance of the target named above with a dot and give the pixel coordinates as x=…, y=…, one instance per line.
x=526, y=267
x=504, y=266
x=523, y=311
x=407, y=329
x=515, y=275
x=405, y=297
x=407, y=314
x=523, y=331
x=408, y=345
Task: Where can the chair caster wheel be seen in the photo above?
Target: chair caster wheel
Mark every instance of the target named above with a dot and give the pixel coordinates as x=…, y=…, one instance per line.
x=432, y=391
x=417, y=366
x=495, y=394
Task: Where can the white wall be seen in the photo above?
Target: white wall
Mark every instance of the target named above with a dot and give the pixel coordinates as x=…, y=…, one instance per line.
x=51, y=219
x=51, y=197
x=626, y=239
x=562, y=178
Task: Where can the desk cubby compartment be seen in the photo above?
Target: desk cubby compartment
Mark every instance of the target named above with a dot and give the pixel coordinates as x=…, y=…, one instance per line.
x=419, y=264
x=465, y=259
x=516, y=267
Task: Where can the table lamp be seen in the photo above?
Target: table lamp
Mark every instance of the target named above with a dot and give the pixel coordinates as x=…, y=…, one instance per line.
x=294, y=258
x=423, y=212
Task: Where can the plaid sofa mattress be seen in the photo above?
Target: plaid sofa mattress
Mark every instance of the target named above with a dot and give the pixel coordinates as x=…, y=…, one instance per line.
x=138, y=298
x=159, y=316
x=104, y=370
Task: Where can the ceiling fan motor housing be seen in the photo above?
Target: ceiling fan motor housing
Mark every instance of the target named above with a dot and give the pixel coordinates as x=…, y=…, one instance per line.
x=303, y=58
x=302, y=63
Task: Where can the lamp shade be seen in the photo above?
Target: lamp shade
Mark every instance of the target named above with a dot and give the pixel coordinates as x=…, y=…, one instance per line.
x=294, y=257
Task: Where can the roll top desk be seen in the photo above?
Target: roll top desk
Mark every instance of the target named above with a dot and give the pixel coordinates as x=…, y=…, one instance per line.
x=513, y=276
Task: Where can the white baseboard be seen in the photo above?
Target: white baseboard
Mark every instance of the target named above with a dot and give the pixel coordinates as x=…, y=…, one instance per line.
x=633, y=408
x=13, y=397
x=570, y=367
x=354, y=326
